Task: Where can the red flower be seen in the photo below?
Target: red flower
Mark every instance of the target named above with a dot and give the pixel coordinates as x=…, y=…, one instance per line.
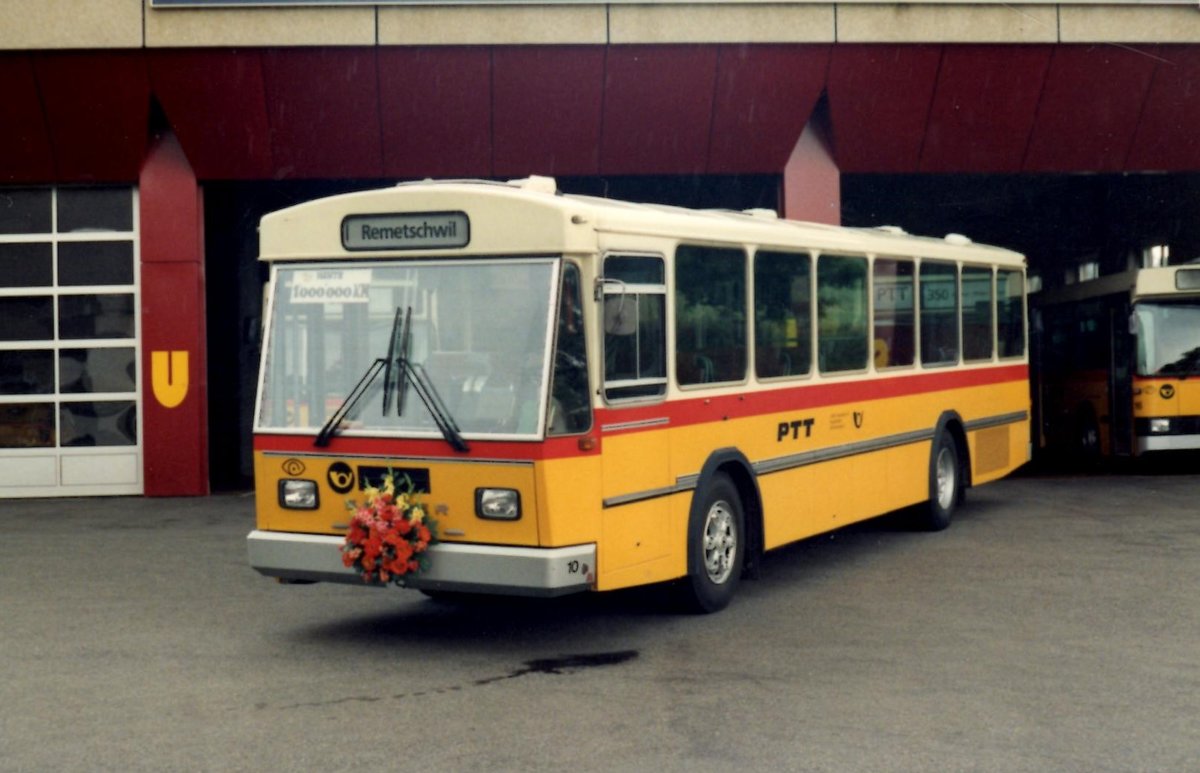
x=383, y=542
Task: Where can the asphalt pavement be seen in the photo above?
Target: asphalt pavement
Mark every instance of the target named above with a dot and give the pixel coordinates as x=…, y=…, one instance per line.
x=1054, y=627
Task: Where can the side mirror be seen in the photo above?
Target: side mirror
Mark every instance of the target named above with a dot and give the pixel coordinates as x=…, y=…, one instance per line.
x=620, y=315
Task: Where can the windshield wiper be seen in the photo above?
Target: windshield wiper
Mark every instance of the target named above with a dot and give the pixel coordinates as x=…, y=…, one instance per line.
x=398, y=372
x=424, y=388
x=360, y=389
x=397, y=349
x=364, y=383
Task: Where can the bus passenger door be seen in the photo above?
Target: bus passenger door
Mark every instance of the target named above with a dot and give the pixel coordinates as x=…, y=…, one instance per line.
x=636, y=451
x=1120, y=384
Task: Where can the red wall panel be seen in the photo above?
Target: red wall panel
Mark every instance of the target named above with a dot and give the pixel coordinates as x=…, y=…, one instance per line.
x=435, y=106
x=1089, y=109
x=96, y=106
x=175, y=432
x=547, y=103
x=812, y=184
x=24, y=142
x=1168, y=135
x=581, y=110
x=764, y=96
x=879, y=97
x=658, y=103
x=216, y=103
x=323, y=110
x=983, y=106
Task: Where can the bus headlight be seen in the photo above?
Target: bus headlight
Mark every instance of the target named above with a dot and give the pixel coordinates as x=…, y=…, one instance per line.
x=1160, y=426
x=498, y=504
x=298, y=494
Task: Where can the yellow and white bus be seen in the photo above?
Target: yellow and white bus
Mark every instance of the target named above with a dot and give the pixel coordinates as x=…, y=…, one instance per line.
x=616, y=394
x=1120, y=361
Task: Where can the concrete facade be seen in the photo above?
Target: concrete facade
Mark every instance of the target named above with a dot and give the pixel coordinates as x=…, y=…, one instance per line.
x=107, y=24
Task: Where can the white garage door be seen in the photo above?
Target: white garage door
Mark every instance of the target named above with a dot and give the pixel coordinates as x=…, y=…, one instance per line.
x=69, y=330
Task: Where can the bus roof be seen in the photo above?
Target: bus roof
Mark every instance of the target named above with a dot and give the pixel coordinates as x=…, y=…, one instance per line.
x=1138, y=283
x=556, y=223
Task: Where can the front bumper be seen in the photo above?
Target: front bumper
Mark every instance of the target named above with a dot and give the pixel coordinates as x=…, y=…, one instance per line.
x=1183, y=435
x=454, y=567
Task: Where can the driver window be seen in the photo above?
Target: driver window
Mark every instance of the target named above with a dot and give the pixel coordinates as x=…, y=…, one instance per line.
x=570, y=409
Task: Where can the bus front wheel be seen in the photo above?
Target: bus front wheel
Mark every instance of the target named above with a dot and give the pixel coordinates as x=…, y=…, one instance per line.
x=716, y=547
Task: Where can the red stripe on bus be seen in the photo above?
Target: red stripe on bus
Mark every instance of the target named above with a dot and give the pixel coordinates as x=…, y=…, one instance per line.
x=803, y=396
x=643, y=418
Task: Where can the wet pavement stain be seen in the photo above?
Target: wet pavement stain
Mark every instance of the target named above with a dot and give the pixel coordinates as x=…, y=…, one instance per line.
x=555, y=666
x=565, y=664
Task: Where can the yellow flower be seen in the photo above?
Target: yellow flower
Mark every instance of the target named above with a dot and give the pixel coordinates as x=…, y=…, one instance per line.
x=417, y=514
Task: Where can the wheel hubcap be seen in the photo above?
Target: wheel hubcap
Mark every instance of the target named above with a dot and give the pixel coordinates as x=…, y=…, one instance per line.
x=720, y=542
x=946, y=478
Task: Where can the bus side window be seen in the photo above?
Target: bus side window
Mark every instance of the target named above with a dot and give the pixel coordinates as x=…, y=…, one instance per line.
x=895, y=320
x=841, y=313
x=939, y=313
x=977, y=313
x=635, y=338
x=1010, y=330
x=710, y=315
x=782, y=314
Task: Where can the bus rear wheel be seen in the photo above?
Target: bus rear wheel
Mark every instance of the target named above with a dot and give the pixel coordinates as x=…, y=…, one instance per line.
x=716, y=547
x=945, y=483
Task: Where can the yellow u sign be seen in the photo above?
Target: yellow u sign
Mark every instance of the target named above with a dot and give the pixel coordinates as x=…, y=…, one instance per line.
x=169, y=377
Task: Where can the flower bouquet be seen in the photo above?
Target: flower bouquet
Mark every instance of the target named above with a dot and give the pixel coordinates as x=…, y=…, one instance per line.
x=389, y=533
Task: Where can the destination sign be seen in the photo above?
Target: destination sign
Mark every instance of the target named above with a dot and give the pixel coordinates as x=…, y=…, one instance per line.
x=1187, y=279
x=407, y=231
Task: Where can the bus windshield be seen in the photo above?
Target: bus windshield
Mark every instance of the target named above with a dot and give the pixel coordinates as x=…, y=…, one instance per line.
x=1168, y=338
x=479, y=333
